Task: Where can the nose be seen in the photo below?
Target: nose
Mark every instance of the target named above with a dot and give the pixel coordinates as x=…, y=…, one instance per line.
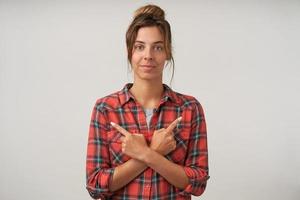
x=148, y=54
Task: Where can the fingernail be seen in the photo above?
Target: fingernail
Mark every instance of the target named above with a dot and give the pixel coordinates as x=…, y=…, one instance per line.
x=112, y=123
x=180, y=118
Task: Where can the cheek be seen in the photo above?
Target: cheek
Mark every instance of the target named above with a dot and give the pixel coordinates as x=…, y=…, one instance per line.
x=135, y=58
x=162, y=58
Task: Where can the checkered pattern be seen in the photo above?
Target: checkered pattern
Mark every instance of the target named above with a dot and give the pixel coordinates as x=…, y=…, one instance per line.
x=104, y=147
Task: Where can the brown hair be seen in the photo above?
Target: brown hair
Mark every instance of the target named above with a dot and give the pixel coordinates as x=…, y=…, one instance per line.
x=150, y=15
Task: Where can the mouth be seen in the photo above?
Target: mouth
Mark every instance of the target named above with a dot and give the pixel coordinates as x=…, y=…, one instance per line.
x=148, y=66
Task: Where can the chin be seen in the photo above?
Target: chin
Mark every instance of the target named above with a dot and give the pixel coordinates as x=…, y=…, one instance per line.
x=149, y=77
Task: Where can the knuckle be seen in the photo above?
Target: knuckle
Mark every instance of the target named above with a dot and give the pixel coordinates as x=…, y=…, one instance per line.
x=170, y=138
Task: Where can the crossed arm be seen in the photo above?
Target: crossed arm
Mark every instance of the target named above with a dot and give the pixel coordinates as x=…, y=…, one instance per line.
x=143, y=156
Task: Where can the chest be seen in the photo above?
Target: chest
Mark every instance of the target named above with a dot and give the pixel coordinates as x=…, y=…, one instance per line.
x=134, y=120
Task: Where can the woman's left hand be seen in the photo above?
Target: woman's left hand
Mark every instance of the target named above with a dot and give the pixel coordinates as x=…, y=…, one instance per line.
x=133, y=145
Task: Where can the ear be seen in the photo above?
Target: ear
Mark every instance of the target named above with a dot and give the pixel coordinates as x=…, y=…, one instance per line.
x=166, y=63
x=129, y=67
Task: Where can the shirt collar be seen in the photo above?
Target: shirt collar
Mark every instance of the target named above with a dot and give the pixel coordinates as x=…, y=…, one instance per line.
x=125, y=95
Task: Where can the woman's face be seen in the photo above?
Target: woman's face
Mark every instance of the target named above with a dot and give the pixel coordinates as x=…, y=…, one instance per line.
x=148, y=54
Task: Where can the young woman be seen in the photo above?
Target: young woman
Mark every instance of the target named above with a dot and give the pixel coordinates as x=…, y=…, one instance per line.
x=147, y=141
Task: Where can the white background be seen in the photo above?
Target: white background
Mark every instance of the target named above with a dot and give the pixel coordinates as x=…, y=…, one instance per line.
x=240, y=59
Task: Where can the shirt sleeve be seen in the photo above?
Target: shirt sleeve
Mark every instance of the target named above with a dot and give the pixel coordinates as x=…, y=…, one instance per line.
x=98, y=169
x=196, y=164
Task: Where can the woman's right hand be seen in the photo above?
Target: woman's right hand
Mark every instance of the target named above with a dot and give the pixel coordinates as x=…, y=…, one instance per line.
x=163, y=140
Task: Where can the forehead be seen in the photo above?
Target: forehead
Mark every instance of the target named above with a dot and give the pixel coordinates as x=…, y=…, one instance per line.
x=149, y=35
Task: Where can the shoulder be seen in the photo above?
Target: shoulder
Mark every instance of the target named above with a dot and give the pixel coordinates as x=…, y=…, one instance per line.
x=108, y=102
x=192, y=105
x=186, y=100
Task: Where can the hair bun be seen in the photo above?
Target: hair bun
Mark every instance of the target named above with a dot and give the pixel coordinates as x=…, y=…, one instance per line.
x=153, y=10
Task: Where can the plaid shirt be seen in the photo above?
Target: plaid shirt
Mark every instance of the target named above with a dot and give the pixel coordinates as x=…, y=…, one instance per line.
x=104, y=147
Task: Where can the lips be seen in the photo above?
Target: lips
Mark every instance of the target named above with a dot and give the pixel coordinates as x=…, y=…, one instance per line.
x=148, y=66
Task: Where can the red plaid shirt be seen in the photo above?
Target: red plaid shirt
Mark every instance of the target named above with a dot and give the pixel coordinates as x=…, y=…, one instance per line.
x=104, y=147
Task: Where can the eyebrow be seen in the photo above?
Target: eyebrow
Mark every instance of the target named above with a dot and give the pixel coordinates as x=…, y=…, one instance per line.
x=157, y=42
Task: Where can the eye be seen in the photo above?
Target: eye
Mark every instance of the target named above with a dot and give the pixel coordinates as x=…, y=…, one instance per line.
x=139, y=47
x=158, y=48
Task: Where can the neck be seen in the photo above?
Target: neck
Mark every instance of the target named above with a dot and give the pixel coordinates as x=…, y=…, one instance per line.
x=147, y=93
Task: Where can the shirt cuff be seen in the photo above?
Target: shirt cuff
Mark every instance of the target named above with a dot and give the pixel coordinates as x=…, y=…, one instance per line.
x=100, y=188
x=197, y=181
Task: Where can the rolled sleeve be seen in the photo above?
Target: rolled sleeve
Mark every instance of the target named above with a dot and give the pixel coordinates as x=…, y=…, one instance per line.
x=98, y=184
x=197, y=181
x=196, y=164
x=98, y=169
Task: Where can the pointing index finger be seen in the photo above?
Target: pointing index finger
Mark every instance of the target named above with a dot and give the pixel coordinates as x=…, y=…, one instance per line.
x=173, y=124
x=120, y=129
